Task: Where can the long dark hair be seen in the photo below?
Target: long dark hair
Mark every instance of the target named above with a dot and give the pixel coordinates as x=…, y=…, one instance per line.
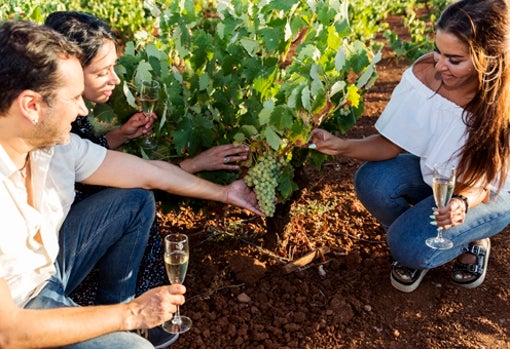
x=483, y=25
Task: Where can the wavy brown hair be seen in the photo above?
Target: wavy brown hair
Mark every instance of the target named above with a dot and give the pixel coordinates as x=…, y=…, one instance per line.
x=483, y=25
x=29, y=59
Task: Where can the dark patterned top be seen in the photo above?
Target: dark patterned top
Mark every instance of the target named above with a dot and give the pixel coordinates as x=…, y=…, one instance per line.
x=83, y=128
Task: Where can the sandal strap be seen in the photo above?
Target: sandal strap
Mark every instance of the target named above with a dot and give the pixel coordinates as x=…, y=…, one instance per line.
x=472, y=275
x=473, y=268
x=476, y=250
x=410, y=271
x=476, y=269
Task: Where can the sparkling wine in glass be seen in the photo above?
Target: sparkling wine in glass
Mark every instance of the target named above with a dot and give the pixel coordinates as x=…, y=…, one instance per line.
x=149, y=95
x=443, y=185
x=176, y=264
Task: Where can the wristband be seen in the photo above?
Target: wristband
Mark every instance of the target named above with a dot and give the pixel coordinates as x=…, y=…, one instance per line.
x=463, y=198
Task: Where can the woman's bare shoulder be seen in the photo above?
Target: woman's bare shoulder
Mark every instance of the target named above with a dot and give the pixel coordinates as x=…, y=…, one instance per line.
x=423, y=69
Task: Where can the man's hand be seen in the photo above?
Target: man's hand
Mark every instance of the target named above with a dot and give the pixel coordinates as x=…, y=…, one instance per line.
x=239, y=194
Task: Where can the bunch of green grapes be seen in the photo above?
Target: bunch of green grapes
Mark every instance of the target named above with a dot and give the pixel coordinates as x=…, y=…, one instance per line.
x=263, y=177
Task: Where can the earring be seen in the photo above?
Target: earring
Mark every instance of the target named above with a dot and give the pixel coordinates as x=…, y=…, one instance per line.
x=35, y=121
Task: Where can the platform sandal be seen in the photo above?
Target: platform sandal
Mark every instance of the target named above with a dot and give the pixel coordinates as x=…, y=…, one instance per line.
x=406, y=279
x=472, y=275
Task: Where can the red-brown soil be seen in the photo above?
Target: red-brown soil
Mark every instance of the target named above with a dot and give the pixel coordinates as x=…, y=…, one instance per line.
x=241, y=295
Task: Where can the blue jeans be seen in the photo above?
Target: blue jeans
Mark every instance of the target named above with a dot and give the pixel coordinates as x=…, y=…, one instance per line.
x=394, y=192
x=110, y=229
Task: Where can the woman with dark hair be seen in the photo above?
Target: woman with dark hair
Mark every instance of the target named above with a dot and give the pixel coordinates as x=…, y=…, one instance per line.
x=451, y=107
x=98, y=43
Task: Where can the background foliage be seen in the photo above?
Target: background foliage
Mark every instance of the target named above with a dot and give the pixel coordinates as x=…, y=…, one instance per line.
x=260, y=72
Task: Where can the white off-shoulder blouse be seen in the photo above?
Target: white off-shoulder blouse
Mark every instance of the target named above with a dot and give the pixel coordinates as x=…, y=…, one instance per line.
x=425, y=124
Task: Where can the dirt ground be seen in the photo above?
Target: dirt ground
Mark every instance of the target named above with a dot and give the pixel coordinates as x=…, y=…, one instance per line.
x=244, y=293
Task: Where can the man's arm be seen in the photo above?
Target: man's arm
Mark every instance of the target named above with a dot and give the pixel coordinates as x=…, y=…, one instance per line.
x=36, y=328
x=128, y=171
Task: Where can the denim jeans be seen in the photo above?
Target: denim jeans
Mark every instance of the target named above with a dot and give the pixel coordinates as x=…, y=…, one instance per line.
x=110, y=229
x=394, y=192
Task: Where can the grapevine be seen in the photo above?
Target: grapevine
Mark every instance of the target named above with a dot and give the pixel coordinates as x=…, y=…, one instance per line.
x=256, y=71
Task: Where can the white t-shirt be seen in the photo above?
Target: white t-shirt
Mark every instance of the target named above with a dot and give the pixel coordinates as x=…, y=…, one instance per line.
x=26, y=264
x=425, y=124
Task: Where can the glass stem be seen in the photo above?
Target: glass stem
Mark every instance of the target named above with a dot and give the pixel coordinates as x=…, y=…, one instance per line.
x=176, y=320
x=439, y=233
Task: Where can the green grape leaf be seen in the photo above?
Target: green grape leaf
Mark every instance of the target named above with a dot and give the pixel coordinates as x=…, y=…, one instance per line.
x=152, y=51
x=365, y=77
x=120, y=70
x=343, y=29
x=143, y=72
x=105, y=113
x=360, y=57
x=157, y=71
x=281, y=117
x=204, y=82
x=309, y=51
x=316, y=88
x=272, y=138
x=271, y=37
x=194, y=132
x=265, y=113
x=325, y=13
x=250, y=130
x=294, y=100
x=334, y=39
x=286, y=186
x=202, y=47
x=299, y=133
x=239, y=137
x=305, y=98
x=220, y=29
x=129, y=49
x=319, y=101
x=264, y=84
x=369, y=71
x=337, y=87
x=284, y=5
x=251, y=46
x=346, y=122
x=314, y=72
x=340, y=58
x=251, y=68
x=130, y=98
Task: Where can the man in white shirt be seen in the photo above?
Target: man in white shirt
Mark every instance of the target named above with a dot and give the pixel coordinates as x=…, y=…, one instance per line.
x=40, y=95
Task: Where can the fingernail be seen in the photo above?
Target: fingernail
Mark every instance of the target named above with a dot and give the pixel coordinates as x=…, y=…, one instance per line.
x=433, y=223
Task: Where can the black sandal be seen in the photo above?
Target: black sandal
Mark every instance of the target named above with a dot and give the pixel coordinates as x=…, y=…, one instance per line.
x=472, y=275
x=406, y=279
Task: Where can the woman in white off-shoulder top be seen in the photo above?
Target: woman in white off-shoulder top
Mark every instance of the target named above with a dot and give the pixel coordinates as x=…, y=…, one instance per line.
x=451, y=107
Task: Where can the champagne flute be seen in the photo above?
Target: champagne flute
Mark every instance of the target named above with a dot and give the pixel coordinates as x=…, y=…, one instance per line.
x=176, y=264
x=442, y=186
x=149, y=95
